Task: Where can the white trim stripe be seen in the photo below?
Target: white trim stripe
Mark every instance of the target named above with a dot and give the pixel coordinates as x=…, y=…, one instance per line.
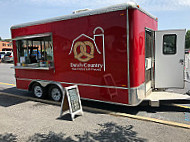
x=80, y=84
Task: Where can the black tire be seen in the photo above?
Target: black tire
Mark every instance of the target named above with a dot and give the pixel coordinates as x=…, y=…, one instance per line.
x=38, y=91
x=55, y=93
x=188, y=92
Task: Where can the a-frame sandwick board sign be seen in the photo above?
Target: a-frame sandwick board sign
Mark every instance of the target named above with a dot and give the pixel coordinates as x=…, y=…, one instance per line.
x=71, y=101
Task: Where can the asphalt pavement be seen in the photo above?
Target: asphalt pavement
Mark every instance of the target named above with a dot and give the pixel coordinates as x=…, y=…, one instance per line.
x=23, y=120
x=27, y=120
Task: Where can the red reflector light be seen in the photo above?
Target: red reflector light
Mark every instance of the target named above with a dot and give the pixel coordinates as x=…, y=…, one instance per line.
x=10, y=56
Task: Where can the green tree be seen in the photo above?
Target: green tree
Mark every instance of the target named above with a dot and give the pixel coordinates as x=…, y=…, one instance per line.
x=187, y=40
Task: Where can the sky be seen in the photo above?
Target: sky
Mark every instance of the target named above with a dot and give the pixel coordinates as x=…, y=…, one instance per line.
x=172, y=14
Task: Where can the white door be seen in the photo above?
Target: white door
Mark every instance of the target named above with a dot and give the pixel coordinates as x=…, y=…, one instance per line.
x=169, y=58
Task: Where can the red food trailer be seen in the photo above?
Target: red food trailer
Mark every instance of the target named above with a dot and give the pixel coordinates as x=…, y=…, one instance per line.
x=114, y=54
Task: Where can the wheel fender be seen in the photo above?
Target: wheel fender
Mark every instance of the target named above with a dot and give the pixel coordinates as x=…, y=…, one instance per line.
x=47, y=83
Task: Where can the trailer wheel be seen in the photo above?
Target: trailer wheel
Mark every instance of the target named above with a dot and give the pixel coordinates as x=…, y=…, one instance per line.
x=38, y=90
x=55, y=93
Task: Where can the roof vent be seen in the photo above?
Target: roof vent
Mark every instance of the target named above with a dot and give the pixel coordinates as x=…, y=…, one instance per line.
x=81, y=10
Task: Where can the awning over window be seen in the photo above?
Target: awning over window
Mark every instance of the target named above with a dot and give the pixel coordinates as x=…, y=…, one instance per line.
x=32, y=36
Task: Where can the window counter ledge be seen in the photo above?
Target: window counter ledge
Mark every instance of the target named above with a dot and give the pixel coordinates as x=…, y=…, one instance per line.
x=33, y=68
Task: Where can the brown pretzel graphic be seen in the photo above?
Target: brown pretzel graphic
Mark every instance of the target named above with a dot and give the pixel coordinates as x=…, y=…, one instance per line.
x=83, y=51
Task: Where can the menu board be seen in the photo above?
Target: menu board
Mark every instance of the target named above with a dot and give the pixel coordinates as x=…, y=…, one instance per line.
x=74, y=99
x=71, y=101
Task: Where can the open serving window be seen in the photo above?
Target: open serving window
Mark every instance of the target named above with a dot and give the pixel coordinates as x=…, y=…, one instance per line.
x=35, y=51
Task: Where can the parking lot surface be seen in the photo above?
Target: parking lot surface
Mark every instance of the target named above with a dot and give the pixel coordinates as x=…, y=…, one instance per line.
x=33, y=121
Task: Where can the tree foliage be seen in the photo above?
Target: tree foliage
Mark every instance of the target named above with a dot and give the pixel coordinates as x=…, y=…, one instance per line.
x=187, y=40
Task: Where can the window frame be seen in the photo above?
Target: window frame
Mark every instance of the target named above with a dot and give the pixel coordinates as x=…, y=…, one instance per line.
x=29, y=38
x=165, y=53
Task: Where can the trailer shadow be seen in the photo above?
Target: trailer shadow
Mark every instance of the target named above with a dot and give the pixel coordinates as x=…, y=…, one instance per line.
x=165, y=106
x=15, y=91
x=108, y=132
x=6, y=100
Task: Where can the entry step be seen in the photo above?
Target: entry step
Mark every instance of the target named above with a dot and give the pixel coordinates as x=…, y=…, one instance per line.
x=163, y=95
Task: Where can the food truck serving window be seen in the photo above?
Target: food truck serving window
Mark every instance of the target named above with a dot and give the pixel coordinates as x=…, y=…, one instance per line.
x=169, y=44
x=35, y=51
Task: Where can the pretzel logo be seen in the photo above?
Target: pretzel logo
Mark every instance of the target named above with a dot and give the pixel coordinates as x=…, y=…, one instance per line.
x=83, y=51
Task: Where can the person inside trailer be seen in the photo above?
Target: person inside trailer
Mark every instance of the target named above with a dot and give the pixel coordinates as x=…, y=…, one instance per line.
x=32, y=56
x=44, y=56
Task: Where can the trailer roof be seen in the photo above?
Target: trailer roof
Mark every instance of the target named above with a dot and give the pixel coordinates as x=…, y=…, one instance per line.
x=129, y=5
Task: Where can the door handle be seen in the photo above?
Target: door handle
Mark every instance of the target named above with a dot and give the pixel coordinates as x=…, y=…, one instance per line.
x=181, y=61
